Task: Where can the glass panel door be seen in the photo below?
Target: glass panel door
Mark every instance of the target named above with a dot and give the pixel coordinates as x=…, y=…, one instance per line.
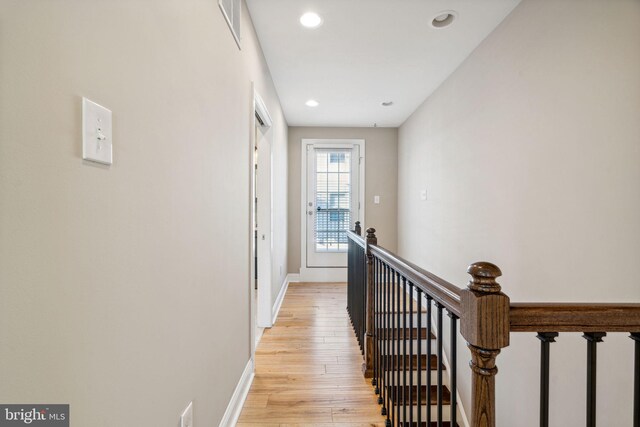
x=332, y=175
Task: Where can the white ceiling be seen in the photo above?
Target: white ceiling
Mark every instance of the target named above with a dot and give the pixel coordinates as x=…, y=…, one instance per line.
x=366, y=52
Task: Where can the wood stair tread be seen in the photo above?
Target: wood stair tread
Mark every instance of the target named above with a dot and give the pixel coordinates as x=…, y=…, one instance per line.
x=413, y=333
x=411, y=304
x=393, y=390
x=424, y=424
x=423, y=362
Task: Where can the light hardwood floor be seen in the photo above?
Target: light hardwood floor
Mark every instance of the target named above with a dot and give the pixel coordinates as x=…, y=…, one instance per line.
x=308, y=366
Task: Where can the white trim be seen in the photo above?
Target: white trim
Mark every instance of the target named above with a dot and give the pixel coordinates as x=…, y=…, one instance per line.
x=326, y=274
x=259, y=335
x=323, y=274
x=229, y=20
x=231, y=415
x=265, y=220
x=260, y=312
x=262, y=111
x=278, y=303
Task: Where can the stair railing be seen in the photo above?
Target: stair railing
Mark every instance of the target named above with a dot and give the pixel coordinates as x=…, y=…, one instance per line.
x=393, y=302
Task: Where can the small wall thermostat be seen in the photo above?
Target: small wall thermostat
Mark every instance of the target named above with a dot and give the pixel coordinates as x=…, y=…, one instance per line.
x=96, y=133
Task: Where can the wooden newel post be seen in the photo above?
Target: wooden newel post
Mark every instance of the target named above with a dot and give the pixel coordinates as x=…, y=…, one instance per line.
x=367, y=368
x=358, y=229
x=485, y=326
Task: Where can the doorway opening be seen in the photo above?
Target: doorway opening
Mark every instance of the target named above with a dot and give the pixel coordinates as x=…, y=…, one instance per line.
x=261, y=221
x=332, y=200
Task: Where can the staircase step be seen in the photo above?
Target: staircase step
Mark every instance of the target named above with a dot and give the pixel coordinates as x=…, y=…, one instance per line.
x=412, y=346
x=392, y=306
x=405, y=319
x=431, y=424
x=446, y=395
x=397, y=362
x=411, y=333
x=405, y=412
x=415, y=374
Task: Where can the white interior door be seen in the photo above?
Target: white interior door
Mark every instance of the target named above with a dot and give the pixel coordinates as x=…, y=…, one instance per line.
x=332, y=204
x=263, y=226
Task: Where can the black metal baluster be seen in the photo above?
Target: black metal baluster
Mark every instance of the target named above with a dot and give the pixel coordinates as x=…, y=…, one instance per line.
x=380, y=337
x=404, y=349
x=453, y=375
x=593, y=338
x=546, y=339
x=382, y=383
x=353, y=292
x=350, y=281
x=412, y=341
x=429, y=334
x=419, y=396
x=636, y=381
x=387, y=358
x=363, y=297
x=374, y=379
x=365, y=291
x=394, y=360
x=440, y=333
x=358, y=298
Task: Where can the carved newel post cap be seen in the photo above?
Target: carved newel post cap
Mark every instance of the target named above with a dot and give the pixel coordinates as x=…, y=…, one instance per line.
x=371, y=237
x=483, y=277
x=358, y=228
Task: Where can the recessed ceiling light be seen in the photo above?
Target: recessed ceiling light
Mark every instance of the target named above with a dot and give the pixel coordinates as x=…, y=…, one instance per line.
x=311, y=20
x=444, y=18
x=312, y=103
x=387, y=103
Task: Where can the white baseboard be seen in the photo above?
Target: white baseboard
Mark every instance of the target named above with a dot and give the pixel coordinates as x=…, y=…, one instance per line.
x=323, y=274
x=278, y=302
x=234, y=408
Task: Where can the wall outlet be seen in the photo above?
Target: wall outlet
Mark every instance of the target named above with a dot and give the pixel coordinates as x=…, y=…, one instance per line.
x=186, y=419
x=423, y=195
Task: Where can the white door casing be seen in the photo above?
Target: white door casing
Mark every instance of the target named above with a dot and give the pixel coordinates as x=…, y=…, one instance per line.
x=261, y=187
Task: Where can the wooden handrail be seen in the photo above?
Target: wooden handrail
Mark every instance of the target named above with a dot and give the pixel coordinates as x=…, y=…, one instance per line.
x=574, y=317
x=442, y=291
x=357, y=239
x=487, y=318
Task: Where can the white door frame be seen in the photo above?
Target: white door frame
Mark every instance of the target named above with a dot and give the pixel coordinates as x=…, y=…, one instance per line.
x=319, y=274
x=260, y=315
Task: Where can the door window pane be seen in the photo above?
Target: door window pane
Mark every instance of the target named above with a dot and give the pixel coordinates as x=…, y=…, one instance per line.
x=333, y=200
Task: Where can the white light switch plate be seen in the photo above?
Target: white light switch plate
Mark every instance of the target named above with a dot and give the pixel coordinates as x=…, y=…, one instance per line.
x=96, y=133
x=376, y=200
x=186, y=419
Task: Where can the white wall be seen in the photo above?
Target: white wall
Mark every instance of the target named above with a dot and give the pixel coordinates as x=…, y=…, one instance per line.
x=124, y=290
x=530, y=153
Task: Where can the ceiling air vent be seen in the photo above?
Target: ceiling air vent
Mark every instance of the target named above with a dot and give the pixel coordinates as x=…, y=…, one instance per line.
x=231, y=11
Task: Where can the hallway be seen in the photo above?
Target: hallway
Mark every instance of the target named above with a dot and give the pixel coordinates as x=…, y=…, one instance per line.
x=308, y=366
